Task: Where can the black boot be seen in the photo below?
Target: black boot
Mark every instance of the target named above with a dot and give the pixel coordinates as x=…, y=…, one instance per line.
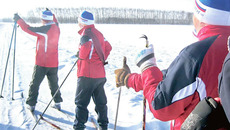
x=103, y=127
x=79, y=126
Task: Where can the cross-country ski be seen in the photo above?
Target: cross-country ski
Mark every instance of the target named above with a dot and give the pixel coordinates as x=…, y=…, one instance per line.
x=49, y=122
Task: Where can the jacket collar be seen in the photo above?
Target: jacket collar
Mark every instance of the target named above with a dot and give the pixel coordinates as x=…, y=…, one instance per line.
x=82, y=31
x=50, y=23
x=212, y=30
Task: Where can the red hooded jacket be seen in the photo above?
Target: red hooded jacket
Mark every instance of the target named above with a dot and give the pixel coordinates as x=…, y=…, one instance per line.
x=173, y=93
x=89, y=63
x=47, y=42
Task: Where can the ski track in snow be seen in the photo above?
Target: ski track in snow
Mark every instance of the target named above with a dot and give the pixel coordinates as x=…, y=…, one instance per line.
x=125, y=42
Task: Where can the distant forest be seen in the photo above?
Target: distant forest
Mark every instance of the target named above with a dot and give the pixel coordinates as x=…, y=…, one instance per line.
x=115, y=16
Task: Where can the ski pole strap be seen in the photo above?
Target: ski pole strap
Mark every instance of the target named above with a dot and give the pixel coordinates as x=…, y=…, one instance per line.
x=97, y=45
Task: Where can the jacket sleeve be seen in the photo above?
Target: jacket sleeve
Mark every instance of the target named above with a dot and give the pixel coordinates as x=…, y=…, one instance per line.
x=25, y=27
x=135, y=82
x=148, y=82
x=35, y=31
x=108, y=48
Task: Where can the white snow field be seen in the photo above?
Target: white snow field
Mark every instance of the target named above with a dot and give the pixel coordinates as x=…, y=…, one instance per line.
x=168, y=40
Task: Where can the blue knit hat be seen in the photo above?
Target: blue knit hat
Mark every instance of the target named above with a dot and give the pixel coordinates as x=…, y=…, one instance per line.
x=213, y=12
x=86, y=18
x=47, y=15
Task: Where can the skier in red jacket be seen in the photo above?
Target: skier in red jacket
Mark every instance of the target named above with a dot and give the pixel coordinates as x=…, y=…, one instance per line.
x=46, y=62
x=173, y=93
x=93, y=52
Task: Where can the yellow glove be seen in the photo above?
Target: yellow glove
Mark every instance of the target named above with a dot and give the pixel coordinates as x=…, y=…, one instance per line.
x=122, y=74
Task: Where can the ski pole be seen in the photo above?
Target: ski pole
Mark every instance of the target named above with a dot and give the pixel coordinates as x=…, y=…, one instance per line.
x=55, y=95
x=14, y=62
x=144, y=100
x=15, y=25
x=118, y=101
x=144, y=114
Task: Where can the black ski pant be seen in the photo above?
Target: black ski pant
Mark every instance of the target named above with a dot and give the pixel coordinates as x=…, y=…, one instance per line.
x=87, y=88
x=38, y=76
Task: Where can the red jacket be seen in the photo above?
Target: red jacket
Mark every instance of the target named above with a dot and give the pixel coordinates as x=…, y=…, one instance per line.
x=47, y=42
x=89, y=63
x=173, y=93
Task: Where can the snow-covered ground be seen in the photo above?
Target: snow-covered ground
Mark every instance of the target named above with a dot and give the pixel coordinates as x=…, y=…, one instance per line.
x=168, y=40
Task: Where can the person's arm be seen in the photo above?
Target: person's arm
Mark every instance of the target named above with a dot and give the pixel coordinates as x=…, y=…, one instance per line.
x=85, y=47
x=35, y=31
x=165, y=99
x=108, y=48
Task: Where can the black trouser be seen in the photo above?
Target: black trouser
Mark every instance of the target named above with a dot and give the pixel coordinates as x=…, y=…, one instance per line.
x=38, y=75
x=87, y=88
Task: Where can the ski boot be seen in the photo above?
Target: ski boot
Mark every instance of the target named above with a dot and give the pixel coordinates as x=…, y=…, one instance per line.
x=31, y=108
x=57, y=106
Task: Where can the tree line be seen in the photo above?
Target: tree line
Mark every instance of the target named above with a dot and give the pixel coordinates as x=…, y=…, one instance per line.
x=116, y=15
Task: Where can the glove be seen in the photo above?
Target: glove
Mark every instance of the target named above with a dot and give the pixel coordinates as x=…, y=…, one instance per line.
x=16, y=17
x=146, y=58
x=122, y=74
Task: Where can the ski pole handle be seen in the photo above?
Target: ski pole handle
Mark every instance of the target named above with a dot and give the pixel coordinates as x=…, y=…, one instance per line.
x=146, y=39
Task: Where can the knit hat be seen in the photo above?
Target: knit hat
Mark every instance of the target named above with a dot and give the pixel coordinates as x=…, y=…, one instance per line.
x=47, y=15
x=213, y=12
x=86, y=18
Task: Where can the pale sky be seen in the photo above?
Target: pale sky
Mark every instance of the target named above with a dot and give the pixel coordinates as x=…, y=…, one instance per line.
x=9, y=7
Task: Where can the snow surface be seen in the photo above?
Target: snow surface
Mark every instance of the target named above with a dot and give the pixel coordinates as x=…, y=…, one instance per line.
x=168, y=41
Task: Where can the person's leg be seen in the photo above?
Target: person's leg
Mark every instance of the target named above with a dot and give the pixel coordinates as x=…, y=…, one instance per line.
x=100, y=100
x=38, y=76
x=53, y=84
x=82, y=99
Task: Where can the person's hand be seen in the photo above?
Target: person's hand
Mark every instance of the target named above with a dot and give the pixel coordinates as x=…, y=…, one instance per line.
x=77, y=54
x=16, y=17
x=122, y=74
x=146, y=58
